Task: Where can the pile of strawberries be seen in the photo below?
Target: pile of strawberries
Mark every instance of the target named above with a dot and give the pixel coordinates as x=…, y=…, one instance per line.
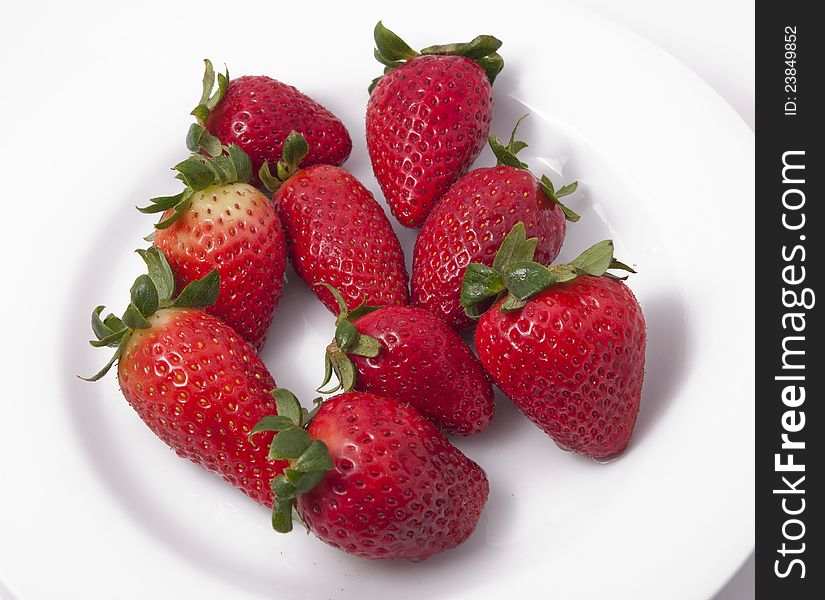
x=370, y=470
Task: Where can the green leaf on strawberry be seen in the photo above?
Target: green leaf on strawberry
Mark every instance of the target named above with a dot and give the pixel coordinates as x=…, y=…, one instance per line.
x=198, y=172
x=159, y=271
x=289, y=443
x=198, y=139
x=308, y=458
x=348, y=340
x=596, y=259
x=516, y=278
x=551, y=193
x=506, y=156
x=314, y=458
x=480, y=284
x=209, y=100
x=525, y=279
x=295, y=150
x=271, y=423
x=390, y=46
x=515, y=248
x=288, y=405
x=392, y=51
x=149, y=293
x=200, y=293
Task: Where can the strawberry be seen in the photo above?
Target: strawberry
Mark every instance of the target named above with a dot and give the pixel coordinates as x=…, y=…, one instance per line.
x=257, y=113
x=427, y=118
x=195, y=383
x=221, y=222
x=374, y=478
x=471, y=221
x=566, y=343
x=337, y=232
x=409, y=355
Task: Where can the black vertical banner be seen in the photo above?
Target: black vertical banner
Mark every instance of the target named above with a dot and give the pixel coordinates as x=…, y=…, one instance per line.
x=790, y=233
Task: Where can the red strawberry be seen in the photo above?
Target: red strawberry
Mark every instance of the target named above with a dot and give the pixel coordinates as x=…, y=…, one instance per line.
x=427, y=118
x=195, y=383
x=337, y=232
x=257, y=113
x=409, y=355
x=220, y=222
x=472, y=219
x=566, y=343
x=374, y=478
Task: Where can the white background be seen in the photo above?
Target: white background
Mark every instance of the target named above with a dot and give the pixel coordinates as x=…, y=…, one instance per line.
x=714, y=39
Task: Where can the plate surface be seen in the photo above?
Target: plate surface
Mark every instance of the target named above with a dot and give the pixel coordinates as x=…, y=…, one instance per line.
x=665, y=170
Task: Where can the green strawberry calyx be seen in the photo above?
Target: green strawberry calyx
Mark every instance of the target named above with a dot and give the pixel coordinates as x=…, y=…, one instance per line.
x=348, y=340
x=295, y=149
x=391, y=51
x=506, y=156
x=308, y=458
x=516, y=278
x=223, y=165
x=150, y=293
x=210, y=97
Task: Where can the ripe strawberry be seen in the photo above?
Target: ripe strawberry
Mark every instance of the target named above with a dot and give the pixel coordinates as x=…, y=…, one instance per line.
x=427, y=118
x=195, y=383
x=257, y=113
x=374, y=478
x=337, y=232
x=409, y=355
x=566, y=343
x=472, y=219
x=220, y=222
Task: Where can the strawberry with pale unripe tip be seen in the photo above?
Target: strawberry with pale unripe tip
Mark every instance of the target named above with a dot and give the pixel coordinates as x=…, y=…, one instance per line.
x=221, y=222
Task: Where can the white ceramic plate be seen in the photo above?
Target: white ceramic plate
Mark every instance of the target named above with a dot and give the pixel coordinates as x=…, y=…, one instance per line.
x=94, y=505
